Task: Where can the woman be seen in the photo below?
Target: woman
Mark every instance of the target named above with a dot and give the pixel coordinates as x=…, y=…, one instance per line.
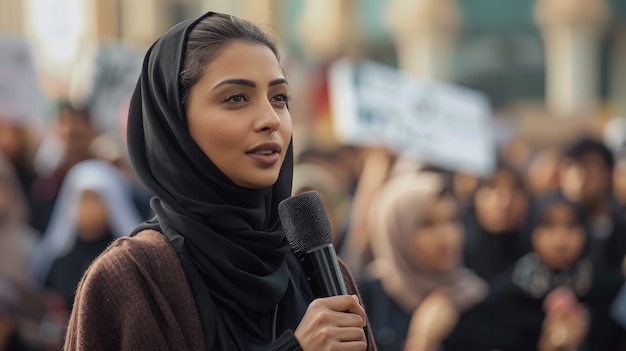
x=417, y=238
x=209, y=132
x=74, y=134
x=17, y=244
x=494, y=223
x=94, y=207
x=538, y=304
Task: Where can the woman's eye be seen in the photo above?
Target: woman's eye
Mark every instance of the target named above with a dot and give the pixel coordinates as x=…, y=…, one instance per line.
x=235, y=98
x=280, y=98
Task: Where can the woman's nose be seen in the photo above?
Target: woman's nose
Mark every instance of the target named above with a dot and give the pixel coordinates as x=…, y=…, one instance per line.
x=268, y=119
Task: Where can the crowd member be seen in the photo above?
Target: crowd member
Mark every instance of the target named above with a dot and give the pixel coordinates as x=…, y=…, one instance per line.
x=542, y=171
x=18, y=141
x=111, y=147
x=586, y=178
x=17, y=245
x=75, y=131
x=494, y=223
x=416, y=235
x=552, y=299
x=94, y=207
x=464, y=184
x=516, y=151
x=209, y=131
x=17, y=236
x=22, y=105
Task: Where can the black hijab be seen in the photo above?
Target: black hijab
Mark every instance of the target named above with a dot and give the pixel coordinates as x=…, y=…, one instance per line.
x=230, y=239
x=532, y=276
x=512, y=316
x=540, y=206
x=486, y=253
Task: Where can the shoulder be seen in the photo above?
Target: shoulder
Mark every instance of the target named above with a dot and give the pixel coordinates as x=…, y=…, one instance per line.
x=146, y=257
x=141, y=250
x=135, y=296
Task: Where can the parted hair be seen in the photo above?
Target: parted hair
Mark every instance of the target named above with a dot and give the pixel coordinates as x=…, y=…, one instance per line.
x=209, y=37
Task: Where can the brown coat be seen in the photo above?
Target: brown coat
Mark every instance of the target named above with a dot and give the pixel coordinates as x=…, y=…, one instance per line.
x=136, y=296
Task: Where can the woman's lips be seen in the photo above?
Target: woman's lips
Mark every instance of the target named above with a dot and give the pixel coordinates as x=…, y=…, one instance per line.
x=265, y=154
x=265, y=159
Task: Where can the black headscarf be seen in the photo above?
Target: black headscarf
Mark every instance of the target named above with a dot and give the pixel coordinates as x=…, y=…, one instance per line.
x=512, y=316
x=486, y=253
x=533, y=276
x=540, y=207
x=230, y=239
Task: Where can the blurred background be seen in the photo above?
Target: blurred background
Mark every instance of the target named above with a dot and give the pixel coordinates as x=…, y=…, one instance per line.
x=534, y=59
x=552, y=73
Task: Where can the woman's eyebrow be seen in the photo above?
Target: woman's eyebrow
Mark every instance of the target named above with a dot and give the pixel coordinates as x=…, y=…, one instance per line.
x=245, y=82
x=249, y=83
x=278, y=81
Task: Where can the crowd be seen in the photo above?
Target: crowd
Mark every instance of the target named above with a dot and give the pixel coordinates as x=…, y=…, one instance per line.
x=530, y=257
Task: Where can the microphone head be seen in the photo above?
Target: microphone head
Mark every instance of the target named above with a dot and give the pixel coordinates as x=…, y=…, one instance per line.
x=305, y=221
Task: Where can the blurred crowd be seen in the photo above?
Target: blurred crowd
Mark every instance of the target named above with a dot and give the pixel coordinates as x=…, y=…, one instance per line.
x=63, y=198
x=529, y=257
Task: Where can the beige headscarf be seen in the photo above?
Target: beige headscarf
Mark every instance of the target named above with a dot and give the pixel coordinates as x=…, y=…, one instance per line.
x=393, y=218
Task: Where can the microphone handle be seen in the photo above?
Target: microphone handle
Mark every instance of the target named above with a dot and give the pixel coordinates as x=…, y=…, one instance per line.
x=323, y=272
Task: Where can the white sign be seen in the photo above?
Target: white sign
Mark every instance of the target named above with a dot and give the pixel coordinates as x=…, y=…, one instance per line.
x=116, y=73
x=443, y=124
x=21, y=100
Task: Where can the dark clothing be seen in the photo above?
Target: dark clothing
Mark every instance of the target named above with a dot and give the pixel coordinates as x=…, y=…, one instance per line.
x=507, y=320
x=390, y=323
x=511, y=319
x=136, y=296
x=67, y=270
x=489, y=254
x=26, y=178
x=608, y=241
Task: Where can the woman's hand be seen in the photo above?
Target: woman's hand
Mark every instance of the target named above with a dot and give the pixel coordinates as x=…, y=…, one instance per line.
x=433, y=320
x=333, y=323
x=565, y=325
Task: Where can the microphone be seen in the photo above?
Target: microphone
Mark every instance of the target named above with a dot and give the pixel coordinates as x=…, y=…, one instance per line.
x=309, y=234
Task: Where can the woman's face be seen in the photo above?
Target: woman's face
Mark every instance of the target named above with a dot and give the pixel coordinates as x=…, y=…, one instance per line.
x=587, y=180
x=237, y=114
x=92, y=217
x=438, y=237
x=76, y=133
x=543, y=172
x=559, y=239
x=501, y=206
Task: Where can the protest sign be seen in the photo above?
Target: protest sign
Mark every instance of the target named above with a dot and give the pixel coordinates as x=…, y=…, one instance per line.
x=442, y=124
x=21, y=99
x=117, y=69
